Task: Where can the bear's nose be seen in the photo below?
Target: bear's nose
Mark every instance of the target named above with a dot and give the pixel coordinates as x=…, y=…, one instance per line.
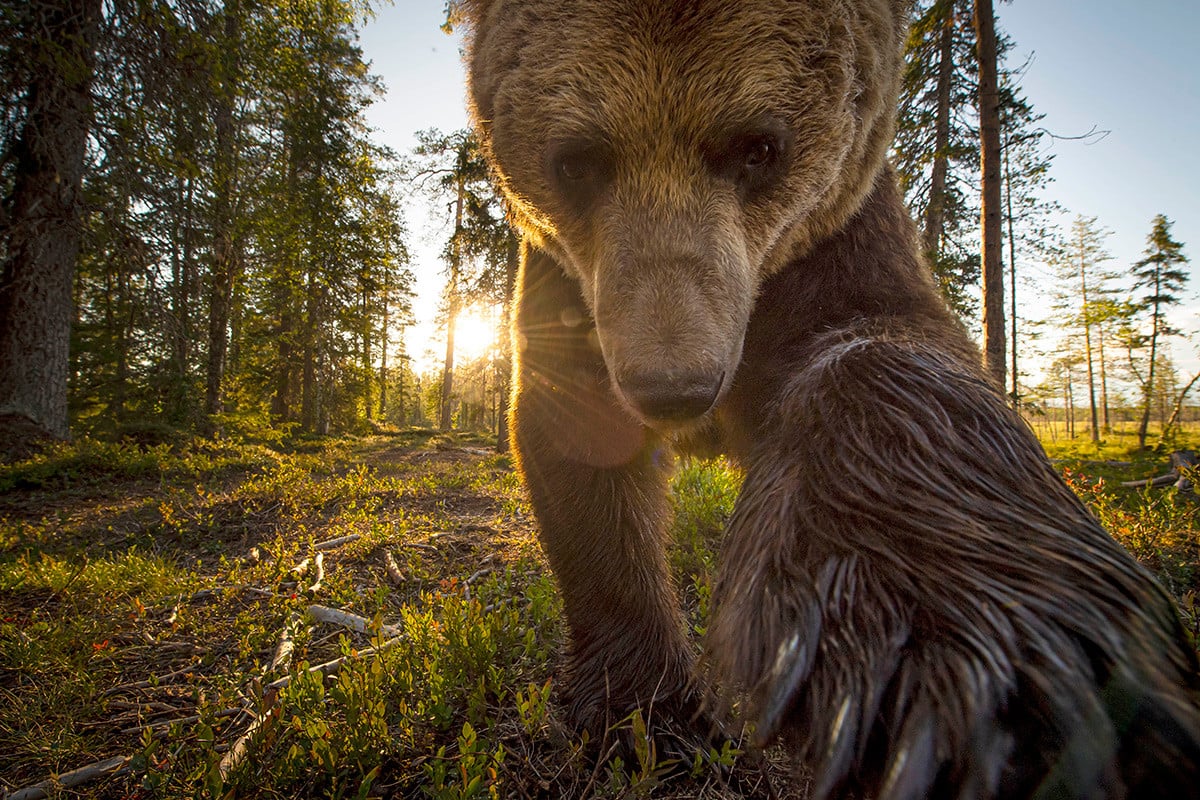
x=671, y=397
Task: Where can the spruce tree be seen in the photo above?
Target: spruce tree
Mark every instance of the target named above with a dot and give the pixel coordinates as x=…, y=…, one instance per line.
x=1161, y=278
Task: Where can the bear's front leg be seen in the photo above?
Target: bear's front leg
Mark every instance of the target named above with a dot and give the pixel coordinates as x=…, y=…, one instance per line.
x=597, y=479
x=916, y=602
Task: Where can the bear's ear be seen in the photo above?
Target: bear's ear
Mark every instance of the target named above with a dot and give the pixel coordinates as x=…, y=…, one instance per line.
x=468, y=11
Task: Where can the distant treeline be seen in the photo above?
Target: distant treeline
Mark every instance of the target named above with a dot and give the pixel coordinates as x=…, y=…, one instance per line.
x=200, y=233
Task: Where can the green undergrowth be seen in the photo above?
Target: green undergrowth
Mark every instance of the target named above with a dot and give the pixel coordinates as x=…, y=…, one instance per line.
x=145, y=591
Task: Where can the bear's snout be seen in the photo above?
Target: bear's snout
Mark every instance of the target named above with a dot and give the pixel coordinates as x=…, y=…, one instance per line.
x=671, y=397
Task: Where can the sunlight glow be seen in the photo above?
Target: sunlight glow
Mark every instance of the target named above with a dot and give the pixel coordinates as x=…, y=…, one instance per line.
x=476, y=332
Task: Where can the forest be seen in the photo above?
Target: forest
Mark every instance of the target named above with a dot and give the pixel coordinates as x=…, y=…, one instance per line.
x=219, y=246
x=253, y=543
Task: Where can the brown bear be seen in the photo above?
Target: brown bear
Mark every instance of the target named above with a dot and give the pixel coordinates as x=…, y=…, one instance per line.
x=715, y=249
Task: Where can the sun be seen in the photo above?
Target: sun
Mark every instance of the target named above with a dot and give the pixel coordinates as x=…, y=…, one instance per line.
x=477, y=330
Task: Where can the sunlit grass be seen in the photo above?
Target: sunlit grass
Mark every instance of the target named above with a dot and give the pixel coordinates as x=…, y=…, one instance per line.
x=176, y=568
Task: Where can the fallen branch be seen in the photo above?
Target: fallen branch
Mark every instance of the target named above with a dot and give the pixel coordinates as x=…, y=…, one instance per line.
x=393, y=569
x=318, y=574
x=1182, y=461
x=338, y=542
x=282, y=659
x=479, y=574
x=1154, y=483
x=335, y=616
x=237, y=753
x=69, y=780
x=283, y=650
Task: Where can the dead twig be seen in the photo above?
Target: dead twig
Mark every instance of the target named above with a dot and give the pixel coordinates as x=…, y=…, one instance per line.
x=237, y=753
x=346, y=619
x=338, y=542
x=479, y=574
x=318, y=574
x=393, y=569
x=283, y=651
x=69, y=780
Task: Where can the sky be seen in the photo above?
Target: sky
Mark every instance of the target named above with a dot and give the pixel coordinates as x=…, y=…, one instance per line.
x=1130, y=69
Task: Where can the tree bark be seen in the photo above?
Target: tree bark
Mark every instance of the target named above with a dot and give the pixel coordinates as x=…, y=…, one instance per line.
x=1012, y=286
x=1087, y=342
x=511, y=264
x=990, y=213
x=935, y=210
x=445, y=413
x=225, y=260
x=1144, y=425
x=41, y=244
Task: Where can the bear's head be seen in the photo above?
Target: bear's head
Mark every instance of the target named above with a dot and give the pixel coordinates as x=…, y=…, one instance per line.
x=673, y=155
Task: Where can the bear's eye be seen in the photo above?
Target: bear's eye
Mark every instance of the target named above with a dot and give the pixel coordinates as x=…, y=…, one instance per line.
x=574, y=167
x=759, y=153
x=578, y=171
x=752, y=158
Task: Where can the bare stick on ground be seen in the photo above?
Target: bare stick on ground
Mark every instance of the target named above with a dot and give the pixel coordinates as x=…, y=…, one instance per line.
x=338, y=542
x=69, y=780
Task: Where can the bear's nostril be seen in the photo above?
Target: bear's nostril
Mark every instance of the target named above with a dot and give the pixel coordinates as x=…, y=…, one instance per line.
x=672, y=398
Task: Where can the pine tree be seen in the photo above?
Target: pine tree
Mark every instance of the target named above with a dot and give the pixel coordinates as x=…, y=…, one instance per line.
x=992, y=267
x=460, y=174
x=936, y=149
x=1161, y=277
x=1082, y=295
x=48, y=55
x=1027, y=212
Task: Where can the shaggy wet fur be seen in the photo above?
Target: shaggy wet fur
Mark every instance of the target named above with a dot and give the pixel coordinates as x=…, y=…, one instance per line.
x=908, y=595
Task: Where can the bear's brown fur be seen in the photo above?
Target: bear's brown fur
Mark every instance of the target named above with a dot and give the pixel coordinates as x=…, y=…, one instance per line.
x=715, y=248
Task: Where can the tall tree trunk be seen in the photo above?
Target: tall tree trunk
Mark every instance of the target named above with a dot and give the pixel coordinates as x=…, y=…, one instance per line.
x=990, y=212
x=281, y=400
x=309, y=411
x=225, y=260
x=1148, y=393
x=1070, y=406
x=286, y=268
x=1104, y=410
x=383, y=349
x=182, y=276
x=452, y=313
x=1015, y=398
x=1087, y=344
x=936, y=208
x=43, y=228
x=365, y=360
x=511, y=264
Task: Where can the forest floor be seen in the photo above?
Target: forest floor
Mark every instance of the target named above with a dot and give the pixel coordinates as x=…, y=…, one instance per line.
x=350, y=618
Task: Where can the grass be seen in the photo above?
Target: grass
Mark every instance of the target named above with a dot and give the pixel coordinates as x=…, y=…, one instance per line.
x=145, y=592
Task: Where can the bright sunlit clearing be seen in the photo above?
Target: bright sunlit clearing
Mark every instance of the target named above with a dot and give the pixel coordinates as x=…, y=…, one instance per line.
x=476, y=331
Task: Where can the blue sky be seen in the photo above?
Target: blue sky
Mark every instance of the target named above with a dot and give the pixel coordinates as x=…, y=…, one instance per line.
x=1132, y=69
